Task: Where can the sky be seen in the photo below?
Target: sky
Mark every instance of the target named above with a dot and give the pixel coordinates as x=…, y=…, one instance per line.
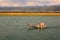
x=15, y=3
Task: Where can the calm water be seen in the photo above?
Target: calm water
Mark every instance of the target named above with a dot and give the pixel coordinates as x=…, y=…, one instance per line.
x=15, y=28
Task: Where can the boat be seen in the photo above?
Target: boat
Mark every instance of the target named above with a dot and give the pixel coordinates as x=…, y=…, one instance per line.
x=35, y=27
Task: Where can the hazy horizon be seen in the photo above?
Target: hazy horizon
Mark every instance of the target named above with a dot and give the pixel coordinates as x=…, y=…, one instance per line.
x=22, y=3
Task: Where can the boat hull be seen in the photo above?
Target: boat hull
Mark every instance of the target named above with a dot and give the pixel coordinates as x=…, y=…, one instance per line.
x=35, y=27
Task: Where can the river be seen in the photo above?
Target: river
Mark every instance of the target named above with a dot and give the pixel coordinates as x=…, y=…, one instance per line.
x=15, y=28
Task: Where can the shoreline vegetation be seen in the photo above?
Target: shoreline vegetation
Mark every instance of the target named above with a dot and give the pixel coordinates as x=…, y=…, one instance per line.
x=29, y=13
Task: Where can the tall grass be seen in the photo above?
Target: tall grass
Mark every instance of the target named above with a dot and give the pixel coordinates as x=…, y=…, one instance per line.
x=29, y=14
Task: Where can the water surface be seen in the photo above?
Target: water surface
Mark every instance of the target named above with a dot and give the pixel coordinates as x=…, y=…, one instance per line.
x=15, y=28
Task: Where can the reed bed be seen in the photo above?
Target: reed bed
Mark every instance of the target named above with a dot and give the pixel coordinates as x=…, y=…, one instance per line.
x=30, y=14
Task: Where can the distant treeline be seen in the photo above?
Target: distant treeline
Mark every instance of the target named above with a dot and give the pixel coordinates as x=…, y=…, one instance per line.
x=30, y=9
x=28, y=12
